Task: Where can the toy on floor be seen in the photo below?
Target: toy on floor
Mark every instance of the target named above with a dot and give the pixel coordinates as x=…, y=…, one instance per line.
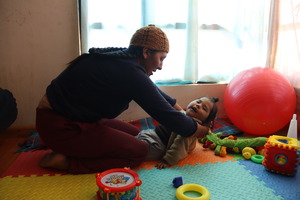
x=282, y=155
x=292, y=132
x=257, y=158
x=183, y=188
x=118, y=184
x=177, y=182
x=205, y=195
x=248, y=152
x=230, y=143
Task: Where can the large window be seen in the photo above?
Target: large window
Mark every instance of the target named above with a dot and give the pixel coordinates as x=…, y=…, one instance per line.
x=210, y=40
x=287, y=59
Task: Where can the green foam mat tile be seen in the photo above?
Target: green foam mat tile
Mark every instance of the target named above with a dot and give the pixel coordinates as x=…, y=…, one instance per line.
x=225, y=181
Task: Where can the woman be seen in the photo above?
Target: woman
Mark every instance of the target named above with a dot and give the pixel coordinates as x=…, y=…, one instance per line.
x=75, y=118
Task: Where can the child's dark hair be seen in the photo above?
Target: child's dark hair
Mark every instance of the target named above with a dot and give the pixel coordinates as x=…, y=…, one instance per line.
x=213, y=113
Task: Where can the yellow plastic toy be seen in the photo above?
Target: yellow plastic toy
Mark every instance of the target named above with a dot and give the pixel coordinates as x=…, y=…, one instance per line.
x=247, y=152
x=205, y=195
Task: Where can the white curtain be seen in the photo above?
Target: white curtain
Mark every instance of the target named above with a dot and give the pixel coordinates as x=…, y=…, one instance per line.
x=287, y=58
x=225, y=37
x=209, y=40
x=287, y=52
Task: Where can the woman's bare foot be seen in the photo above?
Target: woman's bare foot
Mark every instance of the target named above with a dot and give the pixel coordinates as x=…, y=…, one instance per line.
x=55, y=161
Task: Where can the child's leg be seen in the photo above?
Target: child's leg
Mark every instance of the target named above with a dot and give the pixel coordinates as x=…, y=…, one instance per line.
x=156, y=147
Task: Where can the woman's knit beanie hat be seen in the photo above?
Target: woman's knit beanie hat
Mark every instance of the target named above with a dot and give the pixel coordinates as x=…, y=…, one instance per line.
x=150, y=37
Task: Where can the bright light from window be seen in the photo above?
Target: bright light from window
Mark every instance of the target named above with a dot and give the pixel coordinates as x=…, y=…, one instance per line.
x=227, y=35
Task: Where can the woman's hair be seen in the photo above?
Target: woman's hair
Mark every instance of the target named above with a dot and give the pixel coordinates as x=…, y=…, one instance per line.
x=213, y=113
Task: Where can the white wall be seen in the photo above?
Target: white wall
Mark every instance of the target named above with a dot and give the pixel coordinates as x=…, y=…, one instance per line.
x=38, y=38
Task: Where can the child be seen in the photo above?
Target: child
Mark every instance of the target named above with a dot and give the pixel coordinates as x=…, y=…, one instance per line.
x=169, y=147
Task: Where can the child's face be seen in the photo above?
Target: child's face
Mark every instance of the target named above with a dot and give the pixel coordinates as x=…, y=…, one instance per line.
x=199, y=108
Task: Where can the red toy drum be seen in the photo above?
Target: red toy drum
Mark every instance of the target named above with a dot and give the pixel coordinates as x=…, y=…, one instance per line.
x=118, y=184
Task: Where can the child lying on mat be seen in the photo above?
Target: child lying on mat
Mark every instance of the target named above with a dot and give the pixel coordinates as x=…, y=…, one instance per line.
x=169, y=147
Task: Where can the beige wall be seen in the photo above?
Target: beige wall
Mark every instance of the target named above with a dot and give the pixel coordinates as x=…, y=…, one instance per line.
x=184, y=94
x=37, y=39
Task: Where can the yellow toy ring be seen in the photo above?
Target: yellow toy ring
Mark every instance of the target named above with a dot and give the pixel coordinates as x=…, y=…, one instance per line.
x=205, y=195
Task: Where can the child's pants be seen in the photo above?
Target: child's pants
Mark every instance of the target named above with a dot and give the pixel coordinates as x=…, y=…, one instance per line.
x=157, y=148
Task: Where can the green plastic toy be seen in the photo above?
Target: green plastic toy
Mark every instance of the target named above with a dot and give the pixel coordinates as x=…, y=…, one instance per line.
x=220, y=146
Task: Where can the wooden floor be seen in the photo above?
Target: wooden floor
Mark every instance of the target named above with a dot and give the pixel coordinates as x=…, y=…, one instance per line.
x=9, y=140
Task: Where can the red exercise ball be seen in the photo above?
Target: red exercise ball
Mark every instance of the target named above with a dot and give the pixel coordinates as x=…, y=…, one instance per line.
x=260, y=101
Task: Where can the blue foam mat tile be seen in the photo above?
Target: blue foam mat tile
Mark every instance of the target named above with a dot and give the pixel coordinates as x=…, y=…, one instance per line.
x=286, y=186
x=228, y=180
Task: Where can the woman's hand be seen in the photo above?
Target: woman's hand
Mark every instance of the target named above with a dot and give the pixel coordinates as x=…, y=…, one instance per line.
x=198, y=120
x=201, y=131
x=178, y=107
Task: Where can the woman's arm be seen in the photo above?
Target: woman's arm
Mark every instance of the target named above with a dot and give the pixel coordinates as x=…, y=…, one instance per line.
x=160, y=106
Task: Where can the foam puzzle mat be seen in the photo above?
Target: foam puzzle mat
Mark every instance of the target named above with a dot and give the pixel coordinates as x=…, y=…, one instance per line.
x=225, y=177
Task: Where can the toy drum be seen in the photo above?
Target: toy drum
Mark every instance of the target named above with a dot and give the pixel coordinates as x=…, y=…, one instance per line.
x=118, y=184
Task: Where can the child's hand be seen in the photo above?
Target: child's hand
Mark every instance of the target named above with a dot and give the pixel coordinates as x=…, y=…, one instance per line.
x=161, y=165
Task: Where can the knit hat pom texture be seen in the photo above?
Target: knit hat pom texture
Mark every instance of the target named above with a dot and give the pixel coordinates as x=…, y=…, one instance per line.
x=150, y=37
